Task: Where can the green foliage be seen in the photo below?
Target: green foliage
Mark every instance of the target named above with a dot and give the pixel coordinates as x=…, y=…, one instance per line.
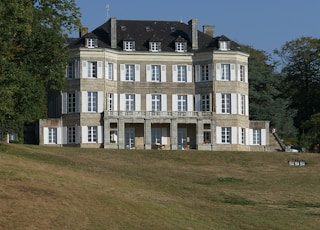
x=311, y=132
x=267, y=101
x=32, y=57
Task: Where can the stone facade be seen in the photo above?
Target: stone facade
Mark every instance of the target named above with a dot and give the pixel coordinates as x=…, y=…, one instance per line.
x=130, y=86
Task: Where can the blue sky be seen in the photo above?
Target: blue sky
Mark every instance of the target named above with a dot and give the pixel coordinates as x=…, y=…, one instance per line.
x=264, y=25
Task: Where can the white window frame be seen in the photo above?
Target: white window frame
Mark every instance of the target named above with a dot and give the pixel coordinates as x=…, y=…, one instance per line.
x=92, y=101
x=181, y=73
x=205, y=102
x=52, y=135
x=90, y=42
x=71, y=135
x=156, y=73
x=226, y=135
x=71, y=102
x=130, y=102
x=226, y=103
x=155, y=46
x=182, y=102
x=156, y=102
x=225, y=72
x=224, y=45
x=181, y=46
x=92, y=134
x=109, y=71
x=130, y=72
x=71, y=70
x=128, y=45
x=204, y=72
x=92, y=69
x=256, y=137
x=242, y=136
x=242, y=104
x=110, y=99
x=242, y=73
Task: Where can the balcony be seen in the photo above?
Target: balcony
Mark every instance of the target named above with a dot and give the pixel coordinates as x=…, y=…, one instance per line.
x=159, y=114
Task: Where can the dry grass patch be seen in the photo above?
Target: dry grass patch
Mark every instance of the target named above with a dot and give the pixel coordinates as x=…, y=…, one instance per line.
x=72, y=188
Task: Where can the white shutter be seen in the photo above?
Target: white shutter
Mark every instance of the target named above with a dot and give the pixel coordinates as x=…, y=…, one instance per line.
x=122, y=102
x=250, y=136
x=198, y=102
x=137, y=102
x=239, y=135
x=64, y=102
x=190, y=102
x=115, y=72
x=45, y=135
x=84, y=69
x=233, y=103
x=100, y=102
x=246, y=73
x=78, y=131
x=163, y=102
x=163, y=73
x=210, y=72
x=106, y=70
x=246, y=105
x=174, y=102
x=77, y=95
x=59, y=136
x=197, y=73
x=99, y=69
x=238, y=72
x=174, y=73
x=263, y=137
x=210, y=100
x=148, y=102
x=247, y=137
x=122, y=72
x=234, y=135
x=64, y=135
x=76, y=69
x=189, y=73
x=218, y=71
x=137, y=72
x=148, y=73
x=239, y=103
x=164, y=136
x=84, y=134
x=218, y=103
x=115, y=102
x=218, y=135
x=233, y=72
x=100, y=134
x=84, y=101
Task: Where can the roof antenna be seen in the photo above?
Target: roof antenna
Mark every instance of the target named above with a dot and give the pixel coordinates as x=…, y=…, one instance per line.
x=107, y=9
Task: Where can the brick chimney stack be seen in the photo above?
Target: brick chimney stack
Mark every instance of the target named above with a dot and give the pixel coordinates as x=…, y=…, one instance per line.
x=193, y=33
x=113, y=33
x=208, y=29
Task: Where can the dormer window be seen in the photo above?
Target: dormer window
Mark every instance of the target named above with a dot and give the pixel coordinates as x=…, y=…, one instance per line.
x=181, y=44
x=91, y=43
x=224, y=45
x=155, y=46
x=128, y=45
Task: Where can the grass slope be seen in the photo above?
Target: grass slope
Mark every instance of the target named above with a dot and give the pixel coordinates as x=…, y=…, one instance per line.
x=72, y=188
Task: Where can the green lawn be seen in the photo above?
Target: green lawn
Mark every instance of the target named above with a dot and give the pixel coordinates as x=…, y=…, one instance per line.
x=73, y=188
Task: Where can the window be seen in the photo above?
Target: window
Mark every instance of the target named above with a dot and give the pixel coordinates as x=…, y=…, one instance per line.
x=110, y=101
x=92, y=134
x=155, y=46
x=156, y=73
x=156, y=102
x=205, y=102
x=226, y=135
x=113, y=133
x=206, y=133
x=204, y=73
x=181, y=46
x=52, y=136
x=226, y=103
x=110, y=71
x=92, y=101
x=182, y=73
x=156, y=136
x=242, y=72
x=90, y=43
x=182, y=102
x=130, y=102
x=224, y=45
x=92, y=69
x=128, y=46
x=242, y=104
x=70, y=71
x=243, y=136
x=256, y=139
x=71, y=135
x=71, y=102
x=225, y=73
x=130, y=72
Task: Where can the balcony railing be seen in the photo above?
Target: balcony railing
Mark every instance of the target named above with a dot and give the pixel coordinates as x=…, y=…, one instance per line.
x=155, y=114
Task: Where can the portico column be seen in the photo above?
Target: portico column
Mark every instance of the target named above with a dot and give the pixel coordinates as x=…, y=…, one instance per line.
x=106, y=131
x=173, y=134
x=147, y=134
x=199, y=139
x=121, y=134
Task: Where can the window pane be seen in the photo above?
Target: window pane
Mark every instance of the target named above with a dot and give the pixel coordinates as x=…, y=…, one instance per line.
x=156, y=73
x=226, y=135
x=92, y=101
x=226, y=103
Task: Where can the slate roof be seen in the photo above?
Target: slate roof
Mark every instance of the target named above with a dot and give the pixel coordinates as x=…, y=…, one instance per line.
x=144, y=31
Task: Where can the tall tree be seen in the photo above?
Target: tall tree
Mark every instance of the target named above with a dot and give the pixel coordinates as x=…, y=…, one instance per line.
x=32, y=57
x=265, y=95
x=301, y=66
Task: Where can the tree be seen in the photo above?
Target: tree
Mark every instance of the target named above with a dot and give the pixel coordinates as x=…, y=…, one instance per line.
x=301, y=67
x=32, y=57
x=311, y=132
x=265, y=95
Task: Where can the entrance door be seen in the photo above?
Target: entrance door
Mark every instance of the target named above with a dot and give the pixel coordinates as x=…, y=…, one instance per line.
x=129, y=139
x=182, y=138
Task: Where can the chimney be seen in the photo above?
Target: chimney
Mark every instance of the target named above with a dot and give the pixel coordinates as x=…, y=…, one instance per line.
x=193, y=33
x=113, y=33
x=83, y=31
x=208, y=29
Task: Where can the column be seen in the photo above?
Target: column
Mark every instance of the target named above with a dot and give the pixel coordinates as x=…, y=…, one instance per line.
x=147, y=134
x=106, y=130
x=173, y=134
x=121, y=134
x=199, y=133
